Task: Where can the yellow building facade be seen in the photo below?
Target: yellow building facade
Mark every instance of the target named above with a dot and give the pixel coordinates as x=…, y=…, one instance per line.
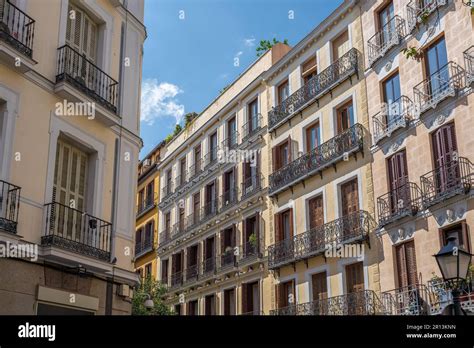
x=69, y=144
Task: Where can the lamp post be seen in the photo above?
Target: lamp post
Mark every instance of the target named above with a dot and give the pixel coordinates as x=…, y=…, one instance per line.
x=453, y=263
x=148, y=303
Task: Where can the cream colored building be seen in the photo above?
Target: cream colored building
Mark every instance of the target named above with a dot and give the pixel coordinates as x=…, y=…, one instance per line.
x=214, y=217
x=320, y=184
x=421, y=113
x=69, y=139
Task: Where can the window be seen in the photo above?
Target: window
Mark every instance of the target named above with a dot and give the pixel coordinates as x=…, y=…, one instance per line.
x=286, y=294
x=316, y=212
x=149, y=234
x=340, y=45
x=308, y=69
x=460, y=232
x=284, y=225
x=181, y=218
x=386, y=25
x=231, y=132
x=196, y=206
x=193, y=308
x=253, y=115
x=282, y=154
x=81, y=33
x=138, y=238
x=391, y=96
x=283, y=91
x=148, y=272
x=251, y=298
x=150, y=194
x=182, y=170
x=210, y=305
x=345, y=117
x=406, y=264
x=436, y=59
x=229, y=302
x=169, y=178
x=445, y=148
x=312, y=137
x=164, y=271
x=141, y=198
x=213, y=147
x=168, y=222
x=398, y=176
x=197, y=159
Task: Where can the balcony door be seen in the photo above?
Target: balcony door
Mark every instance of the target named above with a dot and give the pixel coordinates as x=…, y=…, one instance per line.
x=211, y=198
x=436, y=68
x=316, y=220
x=320, y=293
x=447, y=173
x=252, y=116
x=197, y=159
x=251, y=235
x=340, y=46
x=312, y=137
x=229, y=185
x=209, y=253
x=229, y=302
x=210, y=305
x=213, y=147
x=286, y=294
x=231, y=132
x=196, y=207
x=251, y=298
x=228, y=243
x=250, y=176
x=355, y=285
x=283, y=92
x=398, y=179
x=391, y=97
x=386, y=24
x=349, y=208
x=70, y=190
x=192, y=261
x=406, y=264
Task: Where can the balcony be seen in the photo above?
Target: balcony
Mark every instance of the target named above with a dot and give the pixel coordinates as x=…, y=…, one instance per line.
x=195, y=169
x=418, y=12
x=9, y=206
x=354, y=227
x=181, y=180
x=17, y=30
x=315, y=88
x=77, y=231
x=146, y=205
x=392, y=117
x=251, y=128
x=76, y=70
x=383, y=41
x=191, y=274
x=231, y=142
x=364, y=302
x=251, y=185
x=452, y=178
x=228, y=199
x=442, y=84
x=167, y=189
x=327, y=154
x=469, y=64
x=251, y=250
x=144, y=247
x=211, y=158
x=176, y=280
x=409, y=300
x=208, y=267
x=209, y=210
x=228, y=259
x=405, y=200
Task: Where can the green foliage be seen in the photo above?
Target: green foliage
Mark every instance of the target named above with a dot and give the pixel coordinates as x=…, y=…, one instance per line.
x=253, y=239
x=156, y=291
x=265, y=45
x=168, y=138
x=423, y=17
x=411, y=53
x=189, y=117
x=177, y=129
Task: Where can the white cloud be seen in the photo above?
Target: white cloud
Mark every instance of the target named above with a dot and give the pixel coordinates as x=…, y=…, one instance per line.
x=250, y=42
x=158, y=100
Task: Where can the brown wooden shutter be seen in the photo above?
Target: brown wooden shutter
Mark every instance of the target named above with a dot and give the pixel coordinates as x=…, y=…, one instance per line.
x=319, y=286
x=290, y=151
x=316, y=212
x=406, y=264
x=244, y=298
x=397, y=170
x=292, y=232
x=350, y=197
x=275, y=158
x=276, y=219
x=411, y=262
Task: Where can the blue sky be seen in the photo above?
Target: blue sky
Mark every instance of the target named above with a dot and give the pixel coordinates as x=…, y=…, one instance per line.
x=191, y=46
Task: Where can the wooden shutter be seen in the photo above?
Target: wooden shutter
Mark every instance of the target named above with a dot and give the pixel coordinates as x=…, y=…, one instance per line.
x=350, y=197
x=289, y=151
x=277, y=220
x=397, y=170
x=444, y=144
x=319, y=286
x=411, y=262
x=275, y=158
x=292, y=232
x=257, y=230
x=316, y=212
x=406, y=264
x=340, y=45
x=278, y=295
x=244, y=298
x=355, y=277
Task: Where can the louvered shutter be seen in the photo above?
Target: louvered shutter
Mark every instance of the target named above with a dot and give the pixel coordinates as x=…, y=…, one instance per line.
x=244, y=297
x=411, y=263
x=316, y=212
x=401, y=266
x=257, y=231
x=290, y=150
x=277, y=219
x=291, y=232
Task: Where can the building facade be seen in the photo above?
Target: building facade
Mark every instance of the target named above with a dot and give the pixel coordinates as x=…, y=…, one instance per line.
x=420, y=71
x=146, y=234
x=70, y=143
x=214, y=216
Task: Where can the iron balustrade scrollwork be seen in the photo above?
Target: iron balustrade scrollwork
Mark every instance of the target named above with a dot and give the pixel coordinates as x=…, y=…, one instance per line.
x=9, y=206
x=419, y=11
x=405, y=200
x=191, y=273
x=77, y=231
x=315, y=87
x=251, y=127
x=209, y=210
x=195, y=169
x=167, y=190
x=452, y=178
x=176, y=280
x=390, y=35
x=252, y=185
x=211, y=157
x=17, y=28
x=444, y=83
x=391, y=117
x=228, y=199
x=181, y=180
x=209, y=266
x=408, y=300
x=228, y=259
x=354, y=227
x=231, y=141
x=326, y=154
x=76, y=69
x=469, y=64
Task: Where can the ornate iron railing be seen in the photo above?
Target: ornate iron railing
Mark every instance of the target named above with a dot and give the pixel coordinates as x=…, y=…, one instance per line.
x=228, y=199
x=228, y=259
x=167, y=190
x=392, y=117
x=9, y=206
x=419, y=11
x=176, y=280
x=231, y=142
x=83, y=74
x=194, y=219
x=452, y=178
x=316, y=87
x=209, y=210
x=195, y=169
x=147, y=203
x=332, y=151
x=251, y=127
x=77, y=231
x=409, y=300
x=208, y=266
x=17, y=28
x=252, y=313
x=164, y=237
x=145, y=246
x=391, y=34
x=364, y=302
x=180, y=180
x=469, y=64
x=252, y=250
x=354, y=227
x=403, y=201
x=191, y=273
x=252, y=185
x=444, y=83
x=211, y=157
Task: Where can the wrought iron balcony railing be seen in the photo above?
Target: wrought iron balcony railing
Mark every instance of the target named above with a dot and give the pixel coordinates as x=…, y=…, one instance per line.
x=391, y=34
x=77, y=231
x=403, y=201
x=209, y=210
x=83, y=74
x=176, y=280
x=326, y=154
x=195, y=169
x=419, y=11
x=254, y=312
x=364, y=302
x=16, y=28
x=231, y=142
x=392, y=117
x=253, y=126
x=444, y=83
x=409, y=300
x=167, y=190
x=228, y=259
x=146, y=204
x=316, y=87
x=181, y=180
x=9, y=206
x=228, y=199
x=208, y=267
x=354, y=227
x=194, y=219
x=469, y=64
x=211, y=158
x=252, y=185
x=144, y=247
x=251, y=250
x=191, y=273
x=453, y=178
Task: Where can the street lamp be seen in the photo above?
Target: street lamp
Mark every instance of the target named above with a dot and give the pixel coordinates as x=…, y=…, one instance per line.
x=148, y=303
x=454, y=265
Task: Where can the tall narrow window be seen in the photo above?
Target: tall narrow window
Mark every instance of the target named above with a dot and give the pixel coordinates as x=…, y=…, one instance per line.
x=308, y=69
x=231, y=133
x=391, y=96
x=345, y=117
x=340, y=45
x=406, y=264
x=81, y=33
x=213, y=147
x=283, y=91
x=252, y=116
x=312, y=137
x=386, y=25
x=316, y=212
x=436, y=67
x=182, y=170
